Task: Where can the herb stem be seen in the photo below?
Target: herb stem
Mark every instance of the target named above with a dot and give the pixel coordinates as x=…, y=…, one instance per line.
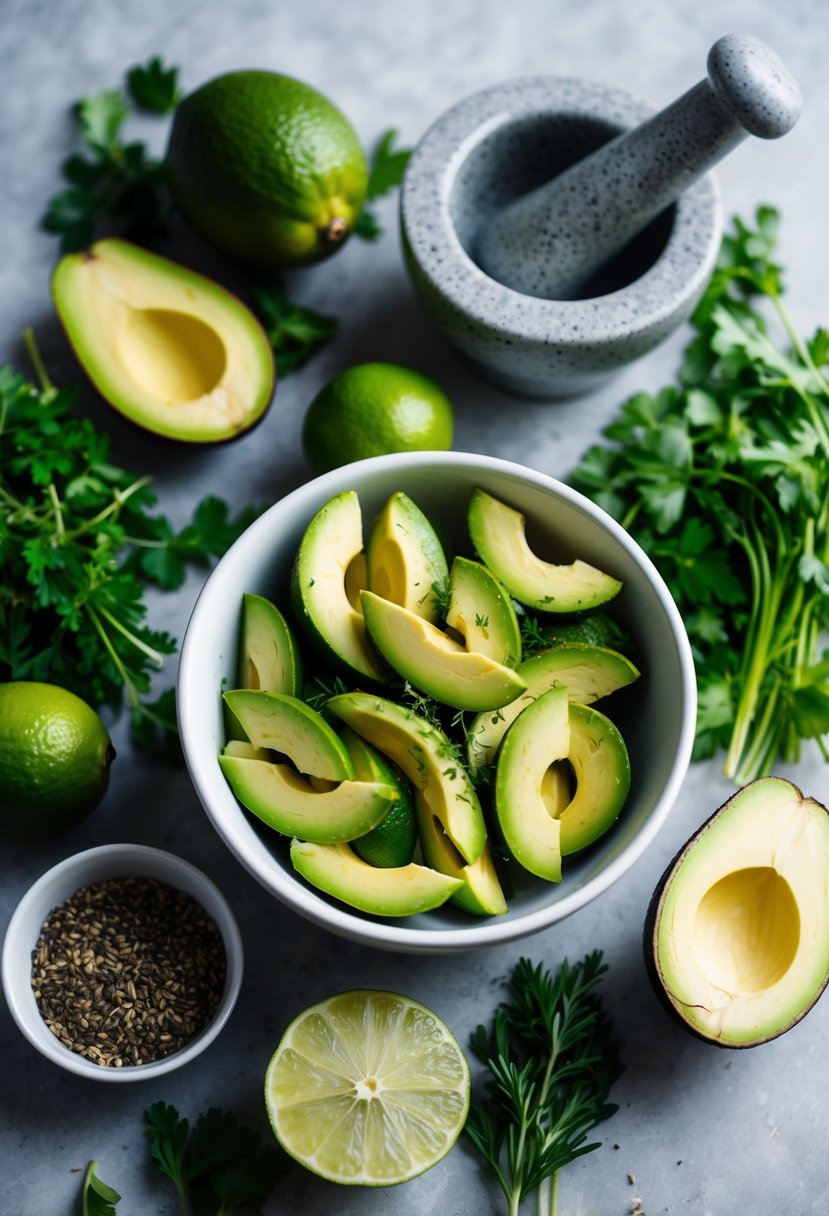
x=126, y=679
x=153, y=655
x=47, y=388
x=60, y=530
x=118, y=499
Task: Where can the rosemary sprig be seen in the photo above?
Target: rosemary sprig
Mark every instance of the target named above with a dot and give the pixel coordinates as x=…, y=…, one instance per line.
x=552, y=1059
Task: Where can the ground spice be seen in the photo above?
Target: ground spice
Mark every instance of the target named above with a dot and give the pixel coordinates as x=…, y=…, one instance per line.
x=128, y=971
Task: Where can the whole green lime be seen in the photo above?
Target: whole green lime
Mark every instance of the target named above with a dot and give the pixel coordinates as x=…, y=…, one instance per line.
x=266, y=168
x=372, y=409
x=55, y=755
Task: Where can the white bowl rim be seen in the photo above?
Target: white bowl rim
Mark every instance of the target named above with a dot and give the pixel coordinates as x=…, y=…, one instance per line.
x=164, y=863
x=484, y=932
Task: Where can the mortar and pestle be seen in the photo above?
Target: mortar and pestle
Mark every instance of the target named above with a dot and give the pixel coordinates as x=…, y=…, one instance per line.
x=556, y=229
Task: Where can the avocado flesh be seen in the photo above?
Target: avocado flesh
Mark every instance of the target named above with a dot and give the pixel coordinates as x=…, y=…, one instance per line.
x=404, y=557
x=287, y=725
x=481, y=611
x=534, y=742
x=737, y=941
x=435, y=663
x=288, y=802
x=588, y=673
x=268, y=656
x=424, y=754
x=330, y=544
x=601, y=766
x=498, y=533
x=170, y=349
x=401, y=891
x=481, y=892
x=393, y=841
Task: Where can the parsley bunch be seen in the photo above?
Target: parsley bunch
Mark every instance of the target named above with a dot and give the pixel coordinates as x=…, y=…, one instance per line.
x=110, y=181
x=552, y=1060
x=217, y=1167
x=724, y=481
x=78, y=546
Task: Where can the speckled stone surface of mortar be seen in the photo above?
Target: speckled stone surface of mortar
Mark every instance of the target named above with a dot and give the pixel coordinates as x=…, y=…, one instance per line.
x=487, y=151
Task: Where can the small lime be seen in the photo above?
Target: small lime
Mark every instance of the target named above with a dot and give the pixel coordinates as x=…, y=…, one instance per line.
x=55, y=755
x=266, y=168
x=372, y=409
x=367, y=1088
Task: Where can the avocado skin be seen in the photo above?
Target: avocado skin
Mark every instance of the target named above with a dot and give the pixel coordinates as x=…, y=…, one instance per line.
x=649, y=941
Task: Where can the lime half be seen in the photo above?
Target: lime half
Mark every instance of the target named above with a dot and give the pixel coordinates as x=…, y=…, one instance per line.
x=367, y=1088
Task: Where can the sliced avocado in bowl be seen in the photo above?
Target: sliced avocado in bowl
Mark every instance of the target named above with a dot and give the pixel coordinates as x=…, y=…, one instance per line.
x=481, y=611
x=399, y=891
x=587, y=672
x=323, y=589
x=170, y=349
x=736, y=938
x=499, y=535
x=269, y=658
x=434, y=662
x=405, y=559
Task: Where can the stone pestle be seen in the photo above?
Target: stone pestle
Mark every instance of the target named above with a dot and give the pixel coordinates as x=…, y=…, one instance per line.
x=551, y=242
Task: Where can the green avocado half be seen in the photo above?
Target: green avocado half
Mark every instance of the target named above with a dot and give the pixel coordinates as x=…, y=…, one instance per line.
x=736, y=939
x=168, y=348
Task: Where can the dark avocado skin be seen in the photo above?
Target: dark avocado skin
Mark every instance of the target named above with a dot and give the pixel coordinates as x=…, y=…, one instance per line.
x=649, y=942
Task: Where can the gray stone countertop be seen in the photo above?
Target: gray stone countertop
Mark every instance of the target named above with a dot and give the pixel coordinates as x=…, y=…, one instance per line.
x=703, y=1131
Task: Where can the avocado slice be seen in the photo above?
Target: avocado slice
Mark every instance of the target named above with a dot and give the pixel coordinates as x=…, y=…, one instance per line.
x=601, y=766
x=170, y=349
x=432, y=661
x=401, y=891
x=588, y=673
x=288, y=802
x=481, y=611
x=737, y=935
x=268, y=656
x=426, y=756
x=320, y=587
x=392, y=842
x=537, y=739
x=405, y=558
x=481, y=893
x=287, y=725
x=498, y=533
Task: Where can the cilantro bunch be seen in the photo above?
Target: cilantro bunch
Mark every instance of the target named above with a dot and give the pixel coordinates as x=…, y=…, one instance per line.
x=724, y=481
x=79, y=544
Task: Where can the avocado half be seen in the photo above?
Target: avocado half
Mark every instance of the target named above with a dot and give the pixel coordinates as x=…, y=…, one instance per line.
x=168, y=348
x=736, y=939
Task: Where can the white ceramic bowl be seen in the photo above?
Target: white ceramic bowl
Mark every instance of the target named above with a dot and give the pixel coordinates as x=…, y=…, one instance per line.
x=62, y=881
x=658, y=711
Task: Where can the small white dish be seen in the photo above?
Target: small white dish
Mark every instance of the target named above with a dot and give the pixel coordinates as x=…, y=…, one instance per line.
x=57, y=885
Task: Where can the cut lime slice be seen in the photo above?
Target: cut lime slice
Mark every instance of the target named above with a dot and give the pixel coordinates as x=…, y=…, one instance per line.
x=367, y=1088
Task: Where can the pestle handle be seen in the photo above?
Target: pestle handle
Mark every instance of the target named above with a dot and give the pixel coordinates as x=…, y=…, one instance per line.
x=550, y=242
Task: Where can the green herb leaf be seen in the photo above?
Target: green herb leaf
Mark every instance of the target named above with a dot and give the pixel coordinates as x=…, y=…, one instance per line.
x=551, y=1059
x=724, y=481
x=79, y=541
x=386, y=170
x=218, y=1167
x=97, y=1199
x=100, y=118
x=114, y=183
x=295, y=332
x=153, y=87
